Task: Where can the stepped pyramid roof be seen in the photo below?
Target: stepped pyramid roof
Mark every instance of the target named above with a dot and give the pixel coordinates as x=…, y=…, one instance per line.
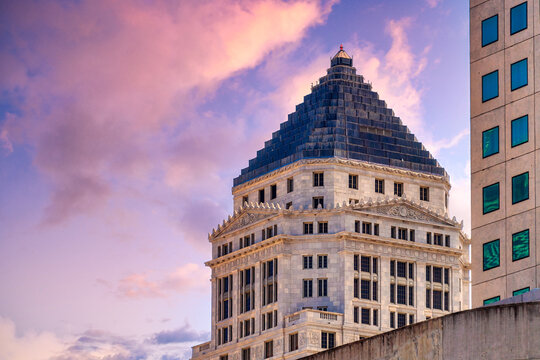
x=342, y=117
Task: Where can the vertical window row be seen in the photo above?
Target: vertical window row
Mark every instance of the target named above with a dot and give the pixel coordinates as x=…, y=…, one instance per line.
x=224, y=297
x=269, y=272
x=366, y=285
x=247, y=289
x=402, y=282
x=438, y=287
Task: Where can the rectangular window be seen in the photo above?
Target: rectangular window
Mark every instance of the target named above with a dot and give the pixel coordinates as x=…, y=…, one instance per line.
x=323, y=227
x=402, y=234
x=490, y=30
x=447, y=240
x=356, y=287
x=428, y=272
x=379, y=186
x=492, y=300
x=366, y=228
x=318, y=179
x=290, y=185
x=318, y=201
x=365, y=289
x=328, y=340
x=322, y=261
x=308, y=228
x=376, y=229
x=437, y=299
x=398, y=189
x=308, y=288
x=392, y=319
x=268, y=349
x=401, y=294
x=357, y=226
x=224, y=357
x=365, y=316
x=411, y=319
x=323, y=287
x=490, y=86
x=392, y=267
x=411, y=296
x=245, y=199
x=491, y=254
x=437, y=274
x=307, y=262
x=401, y=269
x=438, y=239
x=520, y=188
x=293, y=342
x=365, y=263
x=355, y=314
x=520, y=130
x=490, y=142
x=356, y=262
x=428, y=238
x=273, y=191
x=518, y=73
x=521, y=291
x=446, y=275
x=246, y=354
x=375, y=317
x=518, y=18
x=353, y=181
x=261, y=196
x=393, y=293
x=411, y=271
x=520, y=245
x=428, y=298
x=401, y=320
x=411, y=235
x=424, y=193
x=393, y=232
x=490, y=198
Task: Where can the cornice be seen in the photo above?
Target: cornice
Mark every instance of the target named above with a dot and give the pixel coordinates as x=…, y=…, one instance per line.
x=346, y=162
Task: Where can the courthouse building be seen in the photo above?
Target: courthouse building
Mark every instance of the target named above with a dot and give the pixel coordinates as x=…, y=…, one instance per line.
x=340, y=232
x=504, y=52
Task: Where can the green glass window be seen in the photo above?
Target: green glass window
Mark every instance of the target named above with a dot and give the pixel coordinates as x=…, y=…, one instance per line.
x=520, y=188
x=491, y=254
x=518, y=18
x=490, y=198
x=520, y=245
x=518, y=74
x=490, y=86
x=492, y=300
x=490, y=142
x=520, y=130
x=521, y=291
x=490, y=30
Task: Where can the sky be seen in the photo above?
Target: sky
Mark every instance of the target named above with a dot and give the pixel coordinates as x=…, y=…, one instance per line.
x=123, y=123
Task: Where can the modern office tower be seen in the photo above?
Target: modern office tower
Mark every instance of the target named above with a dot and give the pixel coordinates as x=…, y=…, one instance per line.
x=504, y=153
x=340, y=231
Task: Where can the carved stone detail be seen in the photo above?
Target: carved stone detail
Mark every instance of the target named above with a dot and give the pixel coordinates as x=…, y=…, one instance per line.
x=404, y=212
x=245, y=220
x=314, y=338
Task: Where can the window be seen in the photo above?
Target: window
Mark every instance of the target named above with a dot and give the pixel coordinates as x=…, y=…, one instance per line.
x=411, y=319
x=224, y=357
x=308, y=288
x=273, y=191
x=318, y=179
x=322, y=308
x=401, y=294
x=322, y=287
x=323, y=227
x=355, y=314
x=521, y=291
x=490, y=198
x=246, y=354
x=293, y=342
x=245, y=199
x=290, y=186
x=392, y=319
x=490, y=142
x=288, y=205
x=367, y=286
x=322, y=261
x=365, y=289
x=411, y=235
x=247, y=292
x=376, y=229
x=356, y=262
x=402, y=234
x=224, y=297
x=366, y=228
x=490, y=30
x=261, y=196
x=520, y=130
x=518, y=18
x=520, y=245
x=520, y=188
x=269, y=281
x=424, y=193
x=308, y=262
x=379, y=186
x=437, y=239
x=491, y=300
x=398, y=189
x=401, y=320
x=365, y=316
x=490, y=86
x=353, y=181
x=437, y=299
x=518, y=73
x=308, y=228
x=428, y=238
x=447, y=240
x=357, y=226
x=393, y=232
x=268, y=349
x=435, y=278
x=375, y=317
x=491, y=254
x=328, y=340
x=365, y=262
x=428, y=298
x=318, y=200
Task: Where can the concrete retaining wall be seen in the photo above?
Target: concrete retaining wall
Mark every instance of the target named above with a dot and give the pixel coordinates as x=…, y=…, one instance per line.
x=496, y=332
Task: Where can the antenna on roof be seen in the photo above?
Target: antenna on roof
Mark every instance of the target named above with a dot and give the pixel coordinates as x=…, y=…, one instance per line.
x=341, y=47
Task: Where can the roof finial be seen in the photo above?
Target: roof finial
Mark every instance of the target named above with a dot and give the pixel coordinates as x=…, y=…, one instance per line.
x=341, y=47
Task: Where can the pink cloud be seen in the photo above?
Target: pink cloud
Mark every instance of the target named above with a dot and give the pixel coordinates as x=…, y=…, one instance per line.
x=109, y=89
x=188, y=278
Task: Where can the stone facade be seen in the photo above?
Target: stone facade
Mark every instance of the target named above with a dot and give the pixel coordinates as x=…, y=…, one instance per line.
x=497, y=272
x=327, y=250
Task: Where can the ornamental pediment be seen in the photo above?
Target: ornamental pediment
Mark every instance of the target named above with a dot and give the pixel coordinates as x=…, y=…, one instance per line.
x=408, y=212
x=241, y=220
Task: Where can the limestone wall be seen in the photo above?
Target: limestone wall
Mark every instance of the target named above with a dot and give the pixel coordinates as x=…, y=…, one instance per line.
x=497, y=332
